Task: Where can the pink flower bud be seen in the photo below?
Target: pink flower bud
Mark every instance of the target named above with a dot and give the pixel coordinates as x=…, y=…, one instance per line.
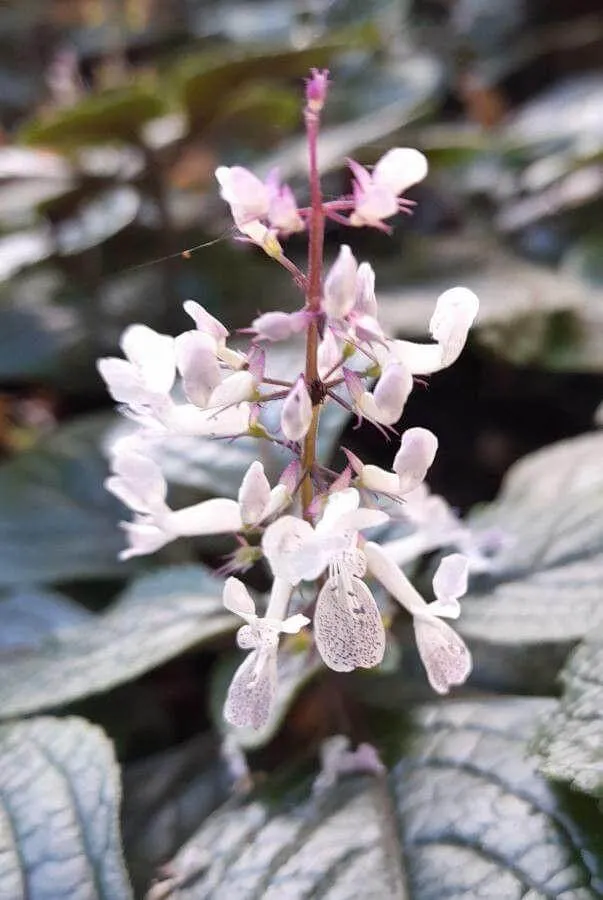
x=297, y=412
x=316, y=89
x=340, y=285
x=290, y=476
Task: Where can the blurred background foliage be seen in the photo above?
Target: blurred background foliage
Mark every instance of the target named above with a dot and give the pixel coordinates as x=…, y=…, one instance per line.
x=113, y=117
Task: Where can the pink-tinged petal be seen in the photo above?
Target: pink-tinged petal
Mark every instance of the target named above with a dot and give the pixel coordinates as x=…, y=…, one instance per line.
x=366, y=301
x=282, y=543
x=144, y=537
x=444, y=654
x=368, y=329
x=454, y=315
x=290, y=476
x=373, y=204
x=386, y=403
x=236, y=388
x=316, y=89
x=273, y=326
x=189, y=420
x=254, y=494
x=123, y=380
x=399, y=169
x=205, y=321
x=294, y=624
x=375, y=479
x=257, y=363
x=355, y=385
x=138, y=481
x=283, y=214
x=217, y=516
x=198, y=365
x=340, y=285
x=450, y=583
x=280, y=497
x=236, y=598
x=251, y=692
x=246, y=195
x=348, y=629
x=362, y=175
x=419, y=359
x=153, y=355
x=418, y=448
x=393, y=579
x=296, y=414
x=329, y=354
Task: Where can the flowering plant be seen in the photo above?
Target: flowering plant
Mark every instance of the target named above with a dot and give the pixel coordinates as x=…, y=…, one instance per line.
x=314, y=525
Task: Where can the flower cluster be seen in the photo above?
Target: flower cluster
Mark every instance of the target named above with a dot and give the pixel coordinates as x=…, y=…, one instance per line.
x=310, y=528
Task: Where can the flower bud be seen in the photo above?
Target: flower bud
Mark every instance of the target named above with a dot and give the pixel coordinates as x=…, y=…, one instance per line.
x=340, y=285
x=316, y=89
x=418, y=448
x=297, y=412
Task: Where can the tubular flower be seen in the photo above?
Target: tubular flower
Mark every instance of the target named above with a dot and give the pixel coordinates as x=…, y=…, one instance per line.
x=386, y=403
x=418, y=447
x=253, y=687
x=444, y=654
x=376, y=194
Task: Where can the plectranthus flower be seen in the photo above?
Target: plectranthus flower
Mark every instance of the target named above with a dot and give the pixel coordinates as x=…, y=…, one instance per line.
x=349, y=302
x=253, y=687
x=143, y=382
x=386, y=402
x=376, y=193
x=444, y=654
x=254, y=203
x=418, y=447
x=138, y=482
x=453, y=316
x=296, y=414
x=348, y=629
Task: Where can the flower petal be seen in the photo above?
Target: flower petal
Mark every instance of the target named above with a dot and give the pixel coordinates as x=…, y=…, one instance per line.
x=348, y=628
x=153, y=355
x=237, y=599
x=205, y=322
x=418, y=448
x=340, y=285
x=251, y=692
x=144, y=537
x=254, y=494
x=217, y=516
x=444, y=654
x=400, y=168
x=236, y=388
x=393, y=579
x=282, y=544
x=450, y=583
x=294, y=624
x=198, y=365
x=454, y=315
x=296, y=414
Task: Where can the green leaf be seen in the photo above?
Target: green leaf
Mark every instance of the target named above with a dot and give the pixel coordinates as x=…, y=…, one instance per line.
x=29, y=614
x=571, y=740
x=544, y=592
x=59, y=804
x=57, y=522
x=464, y=814
x=116, y=115
x=158, y=617
x=206, y=80
x=166, y=799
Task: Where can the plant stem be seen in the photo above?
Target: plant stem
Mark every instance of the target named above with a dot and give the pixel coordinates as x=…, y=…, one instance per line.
x=313, y=298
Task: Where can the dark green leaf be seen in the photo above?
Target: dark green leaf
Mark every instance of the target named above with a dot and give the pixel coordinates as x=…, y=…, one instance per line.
x=56, y=519
x=464, y=814
x=544, y=592
x=116, y=115
x=59, y=802
x=158, y=617
x=166, y=799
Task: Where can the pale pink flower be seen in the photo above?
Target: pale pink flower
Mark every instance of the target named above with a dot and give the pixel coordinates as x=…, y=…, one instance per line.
x=253, y=203
x=386, y=403
x=418, y=447
x=376, y=194
x=283, y=214
x=279, y=326
x=453, y=316
x=444, y=654
x=253, y=687
x=296, y=414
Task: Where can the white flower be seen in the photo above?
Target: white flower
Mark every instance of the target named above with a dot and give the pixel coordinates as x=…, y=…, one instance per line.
x=340, y=285
x=386, y=403
x=296, y=414
x=453, y=316
x=214, y=329
x=279, y=326
x=139, y=483
x=143, y=382
x=444, y=654
x=376, y=194
x=349, y=301
x=348, y=628
x=253, y=687
x=253, y=202
x=418, y=447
